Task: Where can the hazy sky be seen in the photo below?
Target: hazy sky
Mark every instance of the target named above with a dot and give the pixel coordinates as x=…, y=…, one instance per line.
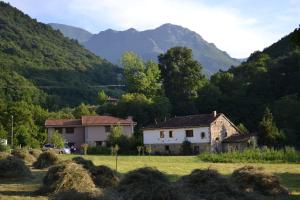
x=236, y=26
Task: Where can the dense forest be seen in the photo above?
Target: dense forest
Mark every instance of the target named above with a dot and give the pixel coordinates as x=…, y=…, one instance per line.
x=45, y=75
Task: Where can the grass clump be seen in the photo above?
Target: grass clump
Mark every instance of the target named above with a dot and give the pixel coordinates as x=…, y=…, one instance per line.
x=269, y=155
x=24, y=154
x=209, y=185
x=46, y=159
x=13, y=167
x=253, y=179
x=67, y=176
x=147, y=184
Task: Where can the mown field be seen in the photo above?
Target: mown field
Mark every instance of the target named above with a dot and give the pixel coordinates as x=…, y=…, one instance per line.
x=173, y=166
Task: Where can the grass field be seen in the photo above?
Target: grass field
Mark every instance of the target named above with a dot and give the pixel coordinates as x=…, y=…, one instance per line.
x=173, y=166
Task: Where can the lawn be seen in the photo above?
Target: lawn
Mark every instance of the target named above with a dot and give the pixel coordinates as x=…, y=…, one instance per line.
x=173, y=166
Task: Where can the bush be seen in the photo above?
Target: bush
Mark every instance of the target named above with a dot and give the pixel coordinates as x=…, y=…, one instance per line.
x=35, y=152
x=4, y=148
x=147, y=184
x=46, y=159
x=250, y=178
x=207, y=184
x=254, y=155
x=67, y=176
x=24, y=155
x=99, y=150
x=13, y=167
x=105, y=177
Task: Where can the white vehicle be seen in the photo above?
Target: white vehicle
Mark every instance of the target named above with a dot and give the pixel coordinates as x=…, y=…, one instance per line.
x=64, y=150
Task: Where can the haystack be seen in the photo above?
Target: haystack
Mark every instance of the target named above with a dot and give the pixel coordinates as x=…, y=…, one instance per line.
x=67, y=176
x=4, y=155
x=75, y=195
x=254, y=179
x=87, y=164
x=24, y=155
x=13, y=167
x=147, y=184
x=35, y=152
x=46, y=159
x=104, y=176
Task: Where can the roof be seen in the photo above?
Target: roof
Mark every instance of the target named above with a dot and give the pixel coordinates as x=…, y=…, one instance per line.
x=236, y=138
x=89, y=121
x=186, y=121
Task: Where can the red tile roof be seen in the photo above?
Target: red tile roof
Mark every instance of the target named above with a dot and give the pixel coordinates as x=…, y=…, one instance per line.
x=88, y=121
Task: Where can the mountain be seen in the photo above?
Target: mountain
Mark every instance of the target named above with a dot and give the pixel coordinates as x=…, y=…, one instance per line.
x=149, y=44
x=41, y=57
x=72, y=32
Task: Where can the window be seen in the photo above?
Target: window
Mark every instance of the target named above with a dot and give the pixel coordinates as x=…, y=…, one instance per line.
x=170, y=134
x=70, y=130
x=59, y=130
x=107, y=129
x=202, y=135
x=161, y=133
x=189, y=133
x=98, y=143
x=167, y=148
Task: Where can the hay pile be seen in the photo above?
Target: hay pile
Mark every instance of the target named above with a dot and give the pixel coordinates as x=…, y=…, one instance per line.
x=147, y=184
x=4, y=155
x=207, y=184
x=253, y=179
x=13, y=167
x=24, y=155
x=105, y=177
x=35, y=152
x=67, y=176
x=87, y=164
x=75, y=195
x=46, y=159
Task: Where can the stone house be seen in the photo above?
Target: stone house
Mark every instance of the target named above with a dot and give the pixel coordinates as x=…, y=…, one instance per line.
x=92, y=130
x=205, y=132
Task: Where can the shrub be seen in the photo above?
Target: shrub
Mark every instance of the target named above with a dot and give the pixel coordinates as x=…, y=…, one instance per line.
x=67, y=176
x=207, y=184
x=250, y=178
x=13, y=167
x=99, y=150
x=105, y=177
x=24, y=155
x=35, y=152
x=147, y=184
x=46, y=159
x=4, y=148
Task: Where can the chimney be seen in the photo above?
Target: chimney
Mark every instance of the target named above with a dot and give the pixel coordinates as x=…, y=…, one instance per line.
x=214, y=113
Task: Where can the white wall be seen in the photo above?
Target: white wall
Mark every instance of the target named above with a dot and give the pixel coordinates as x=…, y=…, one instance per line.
x=153, y=136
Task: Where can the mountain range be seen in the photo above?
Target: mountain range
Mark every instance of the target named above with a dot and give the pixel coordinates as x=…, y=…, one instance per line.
x=148, y=44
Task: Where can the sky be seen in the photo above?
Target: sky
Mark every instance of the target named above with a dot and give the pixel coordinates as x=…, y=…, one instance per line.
x=238, y=27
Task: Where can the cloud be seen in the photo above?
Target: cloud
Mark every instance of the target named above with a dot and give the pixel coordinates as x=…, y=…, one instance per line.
x=228, y=28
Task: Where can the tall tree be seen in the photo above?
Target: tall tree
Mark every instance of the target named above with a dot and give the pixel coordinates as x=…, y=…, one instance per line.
x=182, y=78
x=269, y=134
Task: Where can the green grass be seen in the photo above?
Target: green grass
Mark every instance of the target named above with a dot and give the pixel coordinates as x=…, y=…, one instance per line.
x=173, y=166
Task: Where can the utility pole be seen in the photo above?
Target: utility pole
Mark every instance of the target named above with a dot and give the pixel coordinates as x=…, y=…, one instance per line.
x=12, y=131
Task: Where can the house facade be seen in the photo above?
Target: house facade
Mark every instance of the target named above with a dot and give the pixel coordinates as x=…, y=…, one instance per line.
x=92, y=130
x=205, y=132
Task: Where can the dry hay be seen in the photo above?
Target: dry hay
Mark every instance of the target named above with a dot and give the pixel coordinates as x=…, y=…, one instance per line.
x=147, y=184
x=36, y=152
x=75, y=195
x=24, y=155
x=253, y=179
x=67, y=176
x=105, y=177
x=4, y=155
x=87, y=164
x=46, y=159
x=209, y=185
x=13, y=167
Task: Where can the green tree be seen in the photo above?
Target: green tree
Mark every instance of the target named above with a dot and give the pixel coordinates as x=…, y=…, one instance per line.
x=81, y=110
x=141, y=77
x=57, y=140
x=102, y=97
x=23, y=136
x=242, y=128
x=269, y=134
x=182, y=77
x=115, y=135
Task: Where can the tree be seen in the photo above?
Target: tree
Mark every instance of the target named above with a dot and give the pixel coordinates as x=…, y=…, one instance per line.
x=57, y=140
x=269, y=134
x=141, y=77
x=181, y=76
x=81, y=110
x=242, y=128
x=102, y=97
x=115, y=135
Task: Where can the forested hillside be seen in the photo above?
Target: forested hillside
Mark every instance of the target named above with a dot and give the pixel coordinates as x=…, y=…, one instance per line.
x=60, y=67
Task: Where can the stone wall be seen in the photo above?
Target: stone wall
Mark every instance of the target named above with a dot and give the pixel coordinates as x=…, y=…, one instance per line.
x=220, y=129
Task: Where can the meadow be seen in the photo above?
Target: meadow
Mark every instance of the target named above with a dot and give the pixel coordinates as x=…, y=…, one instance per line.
x=173, y=166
